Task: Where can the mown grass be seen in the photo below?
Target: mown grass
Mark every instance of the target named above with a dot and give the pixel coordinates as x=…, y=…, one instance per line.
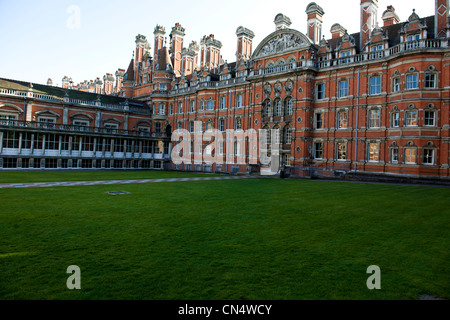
x=62, y=176
x=258, y=239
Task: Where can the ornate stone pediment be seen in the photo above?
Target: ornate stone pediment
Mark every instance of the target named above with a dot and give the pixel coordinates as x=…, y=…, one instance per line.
x=281, y=41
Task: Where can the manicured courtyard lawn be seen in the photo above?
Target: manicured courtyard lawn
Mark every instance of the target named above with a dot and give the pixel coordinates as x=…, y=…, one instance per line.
x=234, y=239
x=61, y=176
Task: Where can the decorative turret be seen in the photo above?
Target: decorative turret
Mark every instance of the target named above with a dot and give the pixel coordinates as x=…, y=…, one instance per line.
x=369, y=12
x=282, y=22
x=159, y=33
x=244, y=43
x=177, y=36
x=390, y=17
x=315, y=14
x=210, y=53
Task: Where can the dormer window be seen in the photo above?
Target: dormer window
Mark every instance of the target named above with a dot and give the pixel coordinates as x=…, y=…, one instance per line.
x=81, y=125
x=413, y=41
x=345, y=57
x=376, y=52
x=47, y=122
x=413, y=37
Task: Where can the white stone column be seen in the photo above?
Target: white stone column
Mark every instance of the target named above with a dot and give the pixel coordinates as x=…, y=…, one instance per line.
x=104, y=146
x=59, y=146
x=95, y=147
x=20, y=142
x=32, y=143
x=1, y=141
x=80, y=147
x=43, y=144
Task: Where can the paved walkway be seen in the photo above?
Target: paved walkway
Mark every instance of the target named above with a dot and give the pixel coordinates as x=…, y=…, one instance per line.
x=94, y=183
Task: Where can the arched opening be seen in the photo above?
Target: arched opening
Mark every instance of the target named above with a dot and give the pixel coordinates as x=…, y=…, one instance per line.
x=169, y=131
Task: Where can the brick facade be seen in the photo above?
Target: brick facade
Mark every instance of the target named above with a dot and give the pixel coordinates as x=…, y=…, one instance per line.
x=372, y=102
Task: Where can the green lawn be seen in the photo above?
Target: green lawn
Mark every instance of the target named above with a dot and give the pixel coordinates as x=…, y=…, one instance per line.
x=258, y=239
x=61, y=176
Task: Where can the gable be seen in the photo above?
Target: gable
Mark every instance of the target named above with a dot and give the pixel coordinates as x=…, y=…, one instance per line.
x=280, y=41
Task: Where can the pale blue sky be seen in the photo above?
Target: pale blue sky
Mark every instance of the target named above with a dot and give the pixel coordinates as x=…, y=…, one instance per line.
x=36, y=42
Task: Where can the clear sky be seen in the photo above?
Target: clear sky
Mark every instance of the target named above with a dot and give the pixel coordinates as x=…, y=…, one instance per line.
x=85, y=39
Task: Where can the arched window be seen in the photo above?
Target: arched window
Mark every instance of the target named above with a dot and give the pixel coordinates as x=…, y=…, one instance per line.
x=277, y=135
x=412, y=116
x=287, y=135
x=395, y=117
x=278, y=110
x=161, y=109
x=410, y=153
x=267, y=110
x=429, y=116
x=374, y=118
x=289, y=107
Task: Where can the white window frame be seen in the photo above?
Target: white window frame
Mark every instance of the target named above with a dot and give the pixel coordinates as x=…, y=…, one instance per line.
x=395, y=118
x=320, y=91
x=395, y=152
x=406, y=155
x=316, y=150
x=343, y=92
x=371, y=153
x=375, y=88
x=412, y=85
x=322, y=120
x=239, y=101
x=374, y=122
x=426, y=157
x=396, y=84
x=339, y=120
x=425, y=118
x=434, y=81
x=409, y=119
x=339, y=151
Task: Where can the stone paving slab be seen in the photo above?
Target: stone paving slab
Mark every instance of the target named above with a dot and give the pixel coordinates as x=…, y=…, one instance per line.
x=110, y=182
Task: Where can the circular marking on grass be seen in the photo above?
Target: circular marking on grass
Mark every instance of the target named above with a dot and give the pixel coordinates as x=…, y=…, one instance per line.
x=116, y=193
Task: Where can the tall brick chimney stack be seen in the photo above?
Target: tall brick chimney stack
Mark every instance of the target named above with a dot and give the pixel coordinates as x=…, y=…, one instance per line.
x=390, y=17
x=369, y=13
x=441, y=18
x=177, y=37
x=244, y=43
x=315, y=14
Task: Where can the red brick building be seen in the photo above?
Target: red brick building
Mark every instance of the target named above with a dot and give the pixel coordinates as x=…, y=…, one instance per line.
x=372, y=102
x=45, y=127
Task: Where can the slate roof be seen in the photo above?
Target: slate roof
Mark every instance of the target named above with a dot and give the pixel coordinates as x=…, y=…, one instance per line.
x=393, y=32
x=73, y=94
